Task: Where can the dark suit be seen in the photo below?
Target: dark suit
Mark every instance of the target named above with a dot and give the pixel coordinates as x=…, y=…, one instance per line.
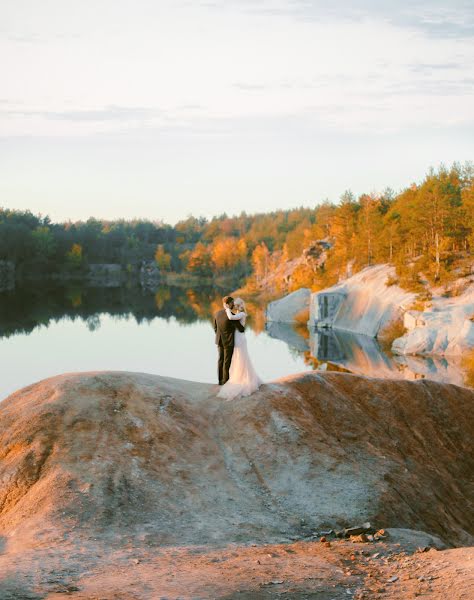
x=225, y=330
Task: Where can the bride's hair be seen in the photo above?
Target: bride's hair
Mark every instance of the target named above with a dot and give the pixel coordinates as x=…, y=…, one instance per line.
x=239, y=304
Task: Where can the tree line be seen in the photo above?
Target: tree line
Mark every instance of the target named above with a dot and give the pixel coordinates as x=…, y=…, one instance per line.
x=426, y=228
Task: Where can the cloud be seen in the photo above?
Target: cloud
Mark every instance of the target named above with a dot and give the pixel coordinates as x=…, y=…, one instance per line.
x=200, y=62
x=108, y=113
x=435, y=18
x=429, y=67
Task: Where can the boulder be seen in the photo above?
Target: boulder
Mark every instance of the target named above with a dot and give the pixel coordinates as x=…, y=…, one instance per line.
x=286, y=309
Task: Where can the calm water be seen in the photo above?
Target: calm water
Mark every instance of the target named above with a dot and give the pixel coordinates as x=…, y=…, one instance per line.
x=48, y=331
x=168, y=332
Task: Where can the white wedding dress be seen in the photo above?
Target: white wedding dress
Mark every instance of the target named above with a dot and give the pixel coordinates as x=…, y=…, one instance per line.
x=243, y=380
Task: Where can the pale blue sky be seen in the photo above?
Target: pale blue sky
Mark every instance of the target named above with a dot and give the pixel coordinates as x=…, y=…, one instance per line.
x=159, y=108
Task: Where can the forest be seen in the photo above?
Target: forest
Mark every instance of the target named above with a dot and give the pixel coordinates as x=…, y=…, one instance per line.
x=426, y=228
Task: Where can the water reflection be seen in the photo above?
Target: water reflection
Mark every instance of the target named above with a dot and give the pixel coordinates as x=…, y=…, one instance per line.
x=45, y=331
x=288, y=334
x=167, y=331
x=24, y=309
x=340, y=350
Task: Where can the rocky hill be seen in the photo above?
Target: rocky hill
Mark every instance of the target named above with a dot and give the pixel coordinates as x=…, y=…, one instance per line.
x=97, y=465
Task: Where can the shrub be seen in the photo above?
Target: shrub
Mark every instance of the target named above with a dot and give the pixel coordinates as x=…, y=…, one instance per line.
x=410, y=278
x=422, y=302
x=468, y=364
x=392, y=331
x=391, y=280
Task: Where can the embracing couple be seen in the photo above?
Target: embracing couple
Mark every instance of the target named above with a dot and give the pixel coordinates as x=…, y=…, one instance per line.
x=237, y=377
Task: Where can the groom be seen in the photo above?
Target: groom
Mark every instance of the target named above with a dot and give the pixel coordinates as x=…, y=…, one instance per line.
x=225, y=330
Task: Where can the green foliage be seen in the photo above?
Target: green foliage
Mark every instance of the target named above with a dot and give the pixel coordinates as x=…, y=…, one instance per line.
x=44, y=243
x=424, y=230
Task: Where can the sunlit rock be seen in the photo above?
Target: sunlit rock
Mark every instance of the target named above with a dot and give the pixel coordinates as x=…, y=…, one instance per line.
x=112, y=481
x=364, y=303
x=123, y=455
x=444, y=329
x=412, y=319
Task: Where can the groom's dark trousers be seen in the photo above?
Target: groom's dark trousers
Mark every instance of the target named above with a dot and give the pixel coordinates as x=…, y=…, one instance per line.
x=225, y=330
x=224, y=362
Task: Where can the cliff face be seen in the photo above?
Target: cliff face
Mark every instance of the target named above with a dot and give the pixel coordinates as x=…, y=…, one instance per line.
x=361, y=304
x=118, y=456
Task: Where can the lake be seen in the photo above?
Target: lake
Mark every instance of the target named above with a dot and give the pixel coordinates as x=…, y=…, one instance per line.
x=48, y=330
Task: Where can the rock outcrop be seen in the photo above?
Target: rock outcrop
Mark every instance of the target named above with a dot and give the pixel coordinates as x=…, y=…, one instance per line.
x=286, y=273
x=286, y=309
x=445, y=329
x=150, y=274
x=126, y=485
x=122, y=455
x=364, y=303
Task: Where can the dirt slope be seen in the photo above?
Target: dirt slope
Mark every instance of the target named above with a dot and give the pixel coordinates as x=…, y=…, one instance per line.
x=93, y=464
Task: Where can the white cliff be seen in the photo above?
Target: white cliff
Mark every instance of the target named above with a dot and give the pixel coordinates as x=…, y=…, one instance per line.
x=364, y=303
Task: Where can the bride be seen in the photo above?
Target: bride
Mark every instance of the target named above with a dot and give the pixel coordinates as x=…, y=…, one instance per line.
x=243, y=380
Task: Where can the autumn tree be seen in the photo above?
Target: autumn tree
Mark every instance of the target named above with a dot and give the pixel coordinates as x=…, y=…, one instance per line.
x=260, y=261
x=74, y=258
x=198, y=260
x=162, y=258
x=228, y=254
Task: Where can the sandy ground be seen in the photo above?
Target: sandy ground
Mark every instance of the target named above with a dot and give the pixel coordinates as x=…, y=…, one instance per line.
x=298, y=570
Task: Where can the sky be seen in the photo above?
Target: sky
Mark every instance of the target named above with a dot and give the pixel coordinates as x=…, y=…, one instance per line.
x=159, y=109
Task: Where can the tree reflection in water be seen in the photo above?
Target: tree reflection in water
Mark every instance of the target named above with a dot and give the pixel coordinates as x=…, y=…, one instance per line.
x=24, y=309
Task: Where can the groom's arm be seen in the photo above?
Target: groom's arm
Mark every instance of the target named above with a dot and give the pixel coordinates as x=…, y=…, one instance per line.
x=239, y=326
